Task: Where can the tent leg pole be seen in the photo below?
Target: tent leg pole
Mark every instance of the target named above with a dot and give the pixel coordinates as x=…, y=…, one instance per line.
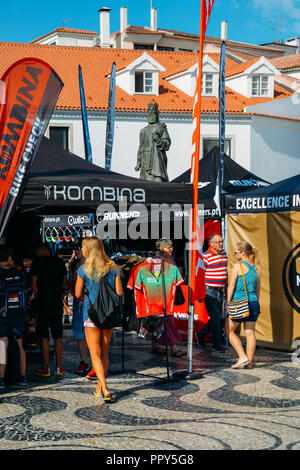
x=189, y=374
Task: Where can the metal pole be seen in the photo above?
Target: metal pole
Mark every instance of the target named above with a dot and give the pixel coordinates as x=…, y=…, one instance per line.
x=190, y=321
x=165, y=312
x=189, y=374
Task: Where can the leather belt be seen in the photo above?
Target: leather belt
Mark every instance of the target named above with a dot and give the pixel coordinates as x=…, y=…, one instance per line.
x=219, y=289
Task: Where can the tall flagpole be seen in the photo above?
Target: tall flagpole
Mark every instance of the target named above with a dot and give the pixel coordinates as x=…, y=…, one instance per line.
x=222, y=119
x=196, y=271
x=195, y=179
x=196, y=156
x=197, y=285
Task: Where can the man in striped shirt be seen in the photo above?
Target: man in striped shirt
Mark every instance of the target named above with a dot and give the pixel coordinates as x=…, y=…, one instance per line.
x=215, y=264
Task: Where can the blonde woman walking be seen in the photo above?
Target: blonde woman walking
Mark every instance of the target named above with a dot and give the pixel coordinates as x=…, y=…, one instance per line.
x=248, y=261
x=97, y=264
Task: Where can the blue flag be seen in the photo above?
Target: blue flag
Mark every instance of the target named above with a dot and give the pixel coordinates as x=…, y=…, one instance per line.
x=86, y=135
x=110, y=123
x=222, y=112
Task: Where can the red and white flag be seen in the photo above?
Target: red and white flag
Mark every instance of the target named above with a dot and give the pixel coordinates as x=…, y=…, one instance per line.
x=197, y=267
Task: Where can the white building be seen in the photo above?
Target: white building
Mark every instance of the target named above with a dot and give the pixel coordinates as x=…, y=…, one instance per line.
x=262, y=123
x=155, y=38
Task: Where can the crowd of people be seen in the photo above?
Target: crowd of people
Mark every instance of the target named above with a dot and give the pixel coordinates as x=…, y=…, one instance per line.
x=49, y=283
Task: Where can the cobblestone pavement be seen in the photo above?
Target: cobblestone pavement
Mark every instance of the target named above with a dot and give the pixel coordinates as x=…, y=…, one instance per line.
x=226, y=409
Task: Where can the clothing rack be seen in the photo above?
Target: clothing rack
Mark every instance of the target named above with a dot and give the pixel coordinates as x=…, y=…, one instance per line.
x=123, y=370
x=155, y=255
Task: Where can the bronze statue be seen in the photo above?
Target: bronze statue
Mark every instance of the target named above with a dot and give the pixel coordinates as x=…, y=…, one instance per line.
x=154, y=142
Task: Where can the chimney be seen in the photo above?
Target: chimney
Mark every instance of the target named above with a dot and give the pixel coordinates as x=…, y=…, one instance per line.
x=224, y=30
x=123, y=19
x=153, y=19
x=104, y=27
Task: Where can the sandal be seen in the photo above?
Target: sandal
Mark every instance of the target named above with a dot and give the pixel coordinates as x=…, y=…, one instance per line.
x=109, y=399
x=240, y=365
x=98, y=394
x=250, y=365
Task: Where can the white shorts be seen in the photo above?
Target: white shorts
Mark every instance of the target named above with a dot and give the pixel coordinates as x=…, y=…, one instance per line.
x=89, y=323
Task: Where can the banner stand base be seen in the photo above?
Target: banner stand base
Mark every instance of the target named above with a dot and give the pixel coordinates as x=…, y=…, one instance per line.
x=161, y=379
x=195, y=375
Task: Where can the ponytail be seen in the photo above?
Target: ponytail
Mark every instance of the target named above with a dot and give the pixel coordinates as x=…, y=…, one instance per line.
x=252, y=253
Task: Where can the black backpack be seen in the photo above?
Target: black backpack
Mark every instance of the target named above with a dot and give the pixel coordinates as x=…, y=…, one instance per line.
x=106, y=312
x=14, y=291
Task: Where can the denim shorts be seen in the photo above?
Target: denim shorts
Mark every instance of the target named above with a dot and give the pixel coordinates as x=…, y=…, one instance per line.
x=13, y=325
x=254, y=309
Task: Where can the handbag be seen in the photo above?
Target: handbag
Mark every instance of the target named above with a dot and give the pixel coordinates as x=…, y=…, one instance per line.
x=106, y=312
x=238, y=309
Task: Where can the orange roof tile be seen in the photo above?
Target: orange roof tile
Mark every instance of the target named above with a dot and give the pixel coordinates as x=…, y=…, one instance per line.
x=65, y=30
x=286, y=62
x=140, y=30
x=207, y=40
x=274, y=117
x=161, y=31
x=193, y=60
x=96, y=65
x=240, y=68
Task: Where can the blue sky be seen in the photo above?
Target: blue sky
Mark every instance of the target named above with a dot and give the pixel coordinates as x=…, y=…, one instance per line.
x=253, y=21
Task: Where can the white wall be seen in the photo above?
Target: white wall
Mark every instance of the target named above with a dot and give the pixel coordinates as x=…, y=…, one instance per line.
x=295, y=74
x=275, y=147
x=286, y=107
x=126, y=138
x=70, y=40
x=238, y=84
x=185, y=82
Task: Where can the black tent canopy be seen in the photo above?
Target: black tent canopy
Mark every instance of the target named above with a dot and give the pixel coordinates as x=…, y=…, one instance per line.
x=236, y=180
x=61, y=182
x=278, y=197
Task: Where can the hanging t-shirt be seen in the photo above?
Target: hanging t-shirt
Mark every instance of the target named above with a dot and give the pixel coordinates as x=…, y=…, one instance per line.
x=138, y=295
x=152, y=288
x=211, y=227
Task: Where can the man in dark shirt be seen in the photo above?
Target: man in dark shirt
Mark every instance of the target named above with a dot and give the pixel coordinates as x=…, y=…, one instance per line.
x=48, y=276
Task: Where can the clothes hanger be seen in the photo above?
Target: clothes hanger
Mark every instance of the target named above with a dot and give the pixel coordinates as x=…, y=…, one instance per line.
x=54, y=238
x=61, y=235
x=69, y=236
x=48, y=237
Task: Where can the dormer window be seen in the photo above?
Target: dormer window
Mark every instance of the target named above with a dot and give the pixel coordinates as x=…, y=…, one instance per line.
x=144, y=82
x=253, y=79
x=260, y=85
x=207, y=86
x=186, y=79
x=140, y=76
